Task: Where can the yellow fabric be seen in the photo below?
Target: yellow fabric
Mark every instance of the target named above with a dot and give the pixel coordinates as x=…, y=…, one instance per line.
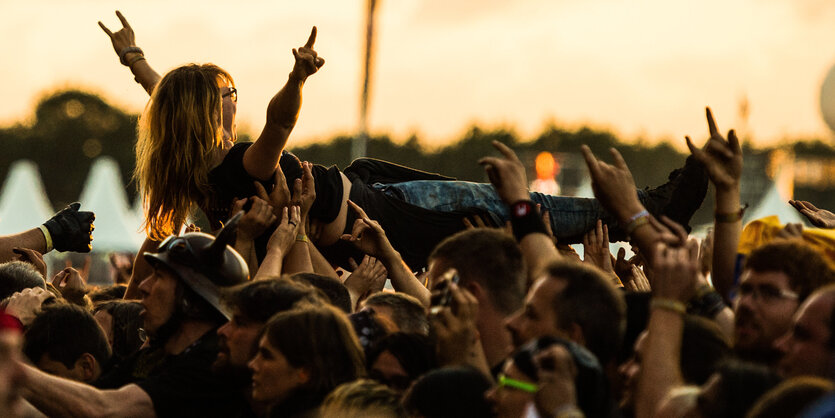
x=764, y=230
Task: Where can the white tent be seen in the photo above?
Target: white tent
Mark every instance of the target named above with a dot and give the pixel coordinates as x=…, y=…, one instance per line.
x=773, y=203
x=23, y=204
x=104, y=193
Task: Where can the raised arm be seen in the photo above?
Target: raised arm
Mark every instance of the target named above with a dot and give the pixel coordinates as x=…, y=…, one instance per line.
x=723, y=160
x=369, y=237
x=130, y=55
x=507, y=174
x=261, y=159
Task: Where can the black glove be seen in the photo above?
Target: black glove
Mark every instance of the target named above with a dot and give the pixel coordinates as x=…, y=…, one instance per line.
x=71, y=230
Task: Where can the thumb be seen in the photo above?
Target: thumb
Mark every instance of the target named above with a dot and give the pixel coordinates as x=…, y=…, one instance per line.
x=74, y=206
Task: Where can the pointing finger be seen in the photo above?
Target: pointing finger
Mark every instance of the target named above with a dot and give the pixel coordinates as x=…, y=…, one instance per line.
x=311, y=39
x=357, y=209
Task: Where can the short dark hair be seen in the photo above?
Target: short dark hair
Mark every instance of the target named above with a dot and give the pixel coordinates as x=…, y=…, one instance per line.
x=65, y=332
x=591, y=301
x=703, y=348
x=16, y=276
x=336, y=292
x=105, y=294
x=408, y=313
x=491, y=258
x=259, y=300
x=449, y=392
x=806, y=268
x=414, y=352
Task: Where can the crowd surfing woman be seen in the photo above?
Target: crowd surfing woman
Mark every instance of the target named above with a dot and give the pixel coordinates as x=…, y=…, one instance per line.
x=186, y=156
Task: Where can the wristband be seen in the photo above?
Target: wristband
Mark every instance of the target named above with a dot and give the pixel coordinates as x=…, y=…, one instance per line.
x=668, y=305
x=730, y=218
x=525, y=219
x=47, y=237
x=640, y=214
x=302, y=238
x=135, y=59
x=127, y=50
x=636, y=223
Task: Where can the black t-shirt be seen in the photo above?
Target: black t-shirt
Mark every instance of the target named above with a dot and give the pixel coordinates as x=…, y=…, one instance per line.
x=179, y=385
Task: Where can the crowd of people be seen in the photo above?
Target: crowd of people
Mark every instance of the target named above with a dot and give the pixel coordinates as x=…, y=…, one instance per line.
x=279, y=307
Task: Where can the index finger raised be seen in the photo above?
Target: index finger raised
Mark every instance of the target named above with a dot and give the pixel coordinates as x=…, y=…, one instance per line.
x=105, y=29
x=311, y=39
x=591, y=160
x=358, y=209
x=711, y=124
x=506, y=151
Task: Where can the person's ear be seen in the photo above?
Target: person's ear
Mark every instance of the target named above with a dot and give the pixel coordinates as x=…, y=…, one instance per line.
x=575, y=333
x=475, y=288
x=88, y=366
x=303, y=375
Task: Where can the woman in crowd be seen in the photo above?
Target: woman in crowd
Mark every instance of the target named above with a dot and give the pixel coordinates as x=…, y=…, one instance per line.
x=302, y=356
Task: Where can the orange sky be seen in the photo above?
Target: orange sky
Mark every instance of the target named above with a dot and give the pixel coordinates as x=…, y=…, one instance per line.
x=643, y=68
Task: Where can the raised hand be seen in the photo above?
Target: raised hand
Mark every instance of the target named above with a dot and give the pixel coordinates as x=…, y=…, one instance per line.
x=307, y=60
x=455, y=328
x=285, y=234
x=256, y=220
x=676, y=271
x=304, y=190
x=71, y=229
x=71, y=285
x=613, y=184
x=596, y=248
x=121, y=39
x=367, y=235
x=507, y=174
x=791, y=231
x=279, y=197
x=556, y=371
x=721, y=157
x=32, y=257
x=368, y=277
x=26, y=304
x=820, y=218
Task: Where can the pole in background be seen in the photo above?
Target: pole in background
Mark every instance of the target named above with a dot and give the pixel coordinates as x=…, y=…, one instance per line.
x=358, y=146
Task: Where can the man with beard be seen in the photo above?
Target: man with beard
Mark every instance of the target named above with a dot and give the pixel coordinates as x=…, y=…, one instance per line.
x=775, y=280
x=252, y=305
x=172, y=375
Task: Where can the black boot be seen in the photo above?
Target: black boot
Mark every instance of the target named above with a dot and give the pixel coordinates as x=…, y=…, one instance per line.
x=682, y=195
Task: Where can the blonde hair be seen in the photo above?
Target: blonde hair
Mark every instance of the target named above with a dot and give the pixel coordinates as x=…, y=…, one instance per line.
x=178, y=133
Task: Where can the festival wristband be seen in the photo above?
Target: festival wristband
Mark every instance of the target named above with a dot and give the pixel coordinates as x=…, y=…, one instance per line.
x=47, y=237
x=668, y=305
x=525, y=219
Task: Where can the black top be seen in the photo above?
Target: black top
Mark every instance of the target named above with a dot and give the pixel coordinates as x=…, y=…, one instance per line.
x=179, y=385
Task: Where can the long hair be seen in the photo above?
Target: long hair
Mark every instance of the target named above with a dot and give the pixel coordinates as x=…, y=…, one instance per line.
x=178, y=132
x=321, y=340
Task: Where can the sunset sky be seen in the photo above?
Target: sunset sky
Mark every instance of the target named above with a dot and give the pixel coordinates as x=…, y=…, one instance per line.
x=642, y=68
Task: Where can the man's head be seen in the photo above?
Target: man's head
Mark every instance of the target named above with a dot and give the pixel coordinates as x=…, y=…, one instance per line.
x=575, y=302
x=489, y=264
x=775, y=280
x=252, y=305
x=65, y=340
x=16, y=276
x=401, y=309
x=809, y=346
x=189, y=272
x=336, y=293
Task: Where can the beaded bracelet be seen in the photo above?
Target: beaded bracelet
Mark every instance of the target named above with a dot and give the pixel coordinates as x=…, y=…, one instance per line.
x=668, y=305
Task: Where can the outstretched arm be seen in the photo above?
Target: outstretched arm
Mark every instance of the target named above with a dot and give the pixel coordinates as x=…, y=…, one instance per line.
x=261, y=159
x=507, y=174
x=58, y=397
x=124, y=43
x=723, y=160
